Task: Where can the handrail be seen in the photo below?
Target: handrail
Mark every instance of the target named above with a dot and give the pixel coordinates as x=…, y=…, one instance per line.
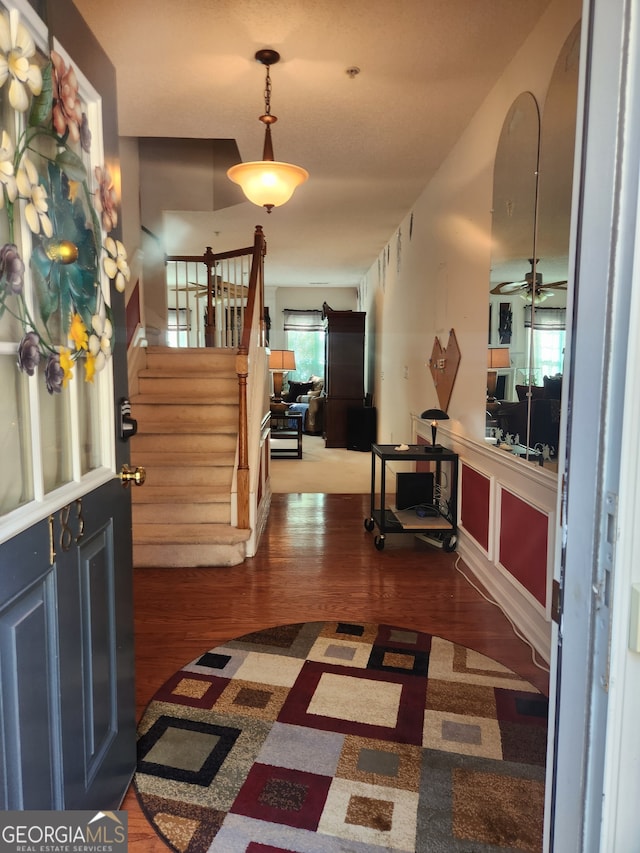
x=252, y=333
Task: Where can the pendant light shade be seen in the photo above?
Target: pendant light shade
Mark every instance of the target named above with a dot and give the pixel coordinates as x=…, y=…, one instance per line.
x=268, y=182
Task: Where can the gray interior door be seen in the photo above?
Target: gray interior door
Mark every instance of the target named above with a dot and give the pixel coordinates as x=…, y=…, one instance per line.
x=67, y=722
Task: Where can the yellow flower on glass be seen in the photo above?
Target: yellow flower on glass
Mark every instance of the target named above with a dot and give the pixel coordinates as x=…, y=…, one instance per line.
x=78, y=333
x=66, y=363
x=89, y=368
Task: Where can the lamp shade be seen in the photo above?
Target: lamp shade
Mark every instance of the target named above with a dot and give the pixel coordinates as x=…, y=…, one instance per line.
x=435, y=415
x=498, y=357
x=268, y=183
x=282, y=360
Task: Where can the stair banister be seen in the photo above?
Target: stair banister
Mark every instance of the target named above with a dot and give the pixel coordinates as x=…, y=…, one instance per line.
x=252, y=338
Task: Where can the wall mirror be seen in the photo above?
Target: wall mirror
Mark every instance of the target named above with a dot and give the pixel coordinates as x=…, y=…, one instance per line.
x=533, y=181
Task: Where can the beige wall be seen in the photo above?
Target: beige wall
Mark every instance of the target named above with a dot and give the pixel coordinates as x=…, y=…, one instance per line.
x=440, y=279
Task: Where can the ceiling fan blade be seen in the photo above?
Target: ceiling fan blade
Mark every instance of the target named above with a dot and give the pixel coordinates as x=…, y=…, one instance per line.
x=506, y=287
x=556, y=285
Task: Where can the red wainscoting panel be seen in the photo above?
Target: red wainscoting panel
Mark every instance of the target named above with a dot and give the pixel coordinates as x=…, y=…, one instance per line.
x=474, y=510
x=523, y=544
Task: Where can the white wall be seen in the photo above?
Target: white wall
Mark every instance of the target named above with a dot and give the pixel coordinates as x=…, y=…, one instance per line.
x=433, y=275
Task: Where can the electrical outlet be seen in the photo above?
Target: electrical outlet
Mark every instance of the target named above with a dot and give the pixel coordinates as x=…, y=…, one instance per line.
x=406, y=372
x=382, y=374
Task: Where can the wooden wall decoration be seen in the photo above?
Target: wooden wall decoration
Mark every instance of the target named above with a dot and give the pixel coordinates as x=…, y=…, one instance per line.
x=443, y=365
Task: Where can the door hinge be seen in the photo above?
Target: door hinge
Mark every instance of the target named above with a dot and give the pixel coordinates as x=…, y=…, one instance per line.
x=556, y=601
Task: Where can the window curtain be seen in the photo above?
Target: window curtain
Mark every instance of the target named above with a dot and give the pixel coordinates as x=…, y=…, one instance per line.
x=546, y=319
x=302, y=321
x=304, y=330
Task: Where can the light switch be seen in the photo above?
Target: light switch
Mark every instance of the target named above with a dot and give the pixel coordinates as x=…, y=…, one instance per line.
x=634, y=621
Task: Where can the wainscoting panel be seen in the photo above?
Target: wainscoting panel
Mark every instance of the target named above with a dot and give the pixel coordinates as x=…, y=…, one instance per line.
x=524, y=541
x=475, y=506
x=507, y=529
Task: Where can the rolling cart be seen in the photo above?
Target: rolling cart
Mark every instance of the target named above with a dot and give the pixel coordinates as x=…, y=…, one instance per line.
x=435, y=522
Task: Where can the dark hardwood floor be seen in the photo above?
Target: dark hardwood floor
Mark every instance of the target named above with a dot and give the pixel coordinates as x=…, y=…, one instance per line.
x=316, y=562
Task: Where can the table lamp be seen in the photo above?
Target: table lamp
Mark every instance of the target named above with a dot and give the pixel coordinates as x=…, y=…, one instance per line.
x=434, y=415
x=496, y=357
x=281, y=361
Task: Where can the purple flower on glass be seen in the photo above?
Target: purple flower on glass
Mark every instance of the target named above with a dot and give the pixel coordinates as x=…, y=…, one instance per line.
x=11, y=268
x=29, y=353
x=54, y=374
x=85, y=133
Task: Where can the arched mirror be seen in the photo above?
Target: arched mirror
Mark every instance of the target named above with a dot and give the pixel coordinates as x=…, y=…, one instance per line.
x=533, y=181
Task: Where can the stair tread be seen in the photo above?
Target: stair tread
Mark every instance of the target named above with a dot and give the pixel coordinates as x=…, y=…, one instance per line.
x=183, y=494
x=179, y=458
x=167, y=399
x=207, y=533
x=177, y=373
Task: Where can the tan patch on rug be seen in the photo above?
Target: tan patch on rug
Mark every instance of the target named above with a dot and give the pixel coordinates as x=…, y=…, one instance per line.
x=374, y=814
x=479, y=797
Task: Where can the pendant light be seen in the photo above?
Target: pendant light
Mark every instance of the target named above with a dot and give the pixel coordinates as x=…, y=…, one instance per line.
x=267, y=182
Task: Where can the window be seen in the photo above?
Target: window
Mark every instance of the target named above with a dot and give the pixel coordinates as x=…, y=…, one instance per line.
x=305, y=336
x=548, y=330
x=57, y=418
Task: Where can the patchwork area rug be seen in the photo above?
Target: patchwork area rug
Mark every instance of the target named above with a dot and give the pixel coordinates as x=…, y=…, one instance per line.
x=330, y=737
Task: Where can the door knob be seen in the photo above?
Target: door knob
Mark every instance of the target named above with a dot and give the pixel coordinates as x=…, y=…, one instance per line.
x=132, y=475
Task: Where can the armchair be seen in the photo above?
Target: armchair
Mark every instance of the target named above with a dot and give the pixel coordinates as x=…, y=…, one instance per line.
x=308, y=398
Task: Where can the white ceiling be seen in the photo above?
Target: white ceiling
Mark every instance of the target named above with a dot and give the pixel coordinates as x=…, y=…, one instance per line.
x=370, y=142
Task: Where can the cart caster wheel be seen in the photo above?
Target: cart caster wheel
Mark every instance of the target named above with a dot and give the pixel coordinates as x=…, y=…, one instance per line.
x=379, y=543
x=449, y=544
x=368, y=524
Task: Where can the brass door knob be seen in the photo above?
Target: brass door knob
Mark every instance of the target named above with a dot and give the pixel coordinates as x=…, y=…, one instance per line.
x=132, y=475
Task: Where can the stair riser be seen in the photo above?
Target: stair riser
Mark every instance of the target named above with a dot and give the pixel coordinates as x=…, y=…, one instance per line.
x=189, y=476
x=180, y=417
x=204, y=443
x=192, y=556
x=176, y=458
x=212, y=513
x=194, y=388
x=191, y=360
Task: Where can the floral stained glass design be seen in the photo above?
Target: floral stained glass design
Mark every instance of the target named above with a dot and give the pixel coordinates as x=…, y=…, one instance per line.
x=47, y=186
x=59, y=258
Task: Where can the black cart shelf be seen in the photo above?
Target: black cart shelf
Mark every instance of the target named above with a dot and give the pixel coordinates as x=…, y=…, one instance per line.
x=440, y=527
x=286, y=435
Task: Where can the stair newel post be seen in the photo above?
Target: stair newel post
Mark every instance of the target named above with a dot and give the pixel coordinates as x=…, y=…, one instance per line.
x=209, y=260
x=242, y=369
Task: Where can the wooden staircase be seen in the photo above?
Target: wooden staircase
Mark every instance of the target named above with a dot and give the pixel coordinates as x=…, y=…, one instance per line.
x=187, y=413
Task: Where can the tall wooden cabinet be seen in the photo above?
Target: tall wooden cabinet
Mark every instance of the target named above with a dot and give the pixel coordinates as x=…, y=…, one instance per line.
x=344, y=372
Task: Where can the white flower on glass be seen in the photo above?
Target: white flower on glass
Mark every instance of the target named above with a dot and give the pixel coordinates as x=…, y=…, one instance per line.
x=16, y=49
x=37, y=207
x=115, y=263
x=7, y=176
x=100, y=340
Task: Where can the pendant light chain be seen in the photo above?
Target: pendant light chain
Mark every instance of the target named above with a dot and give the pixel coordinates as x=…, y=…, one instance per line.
x=267, y=93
